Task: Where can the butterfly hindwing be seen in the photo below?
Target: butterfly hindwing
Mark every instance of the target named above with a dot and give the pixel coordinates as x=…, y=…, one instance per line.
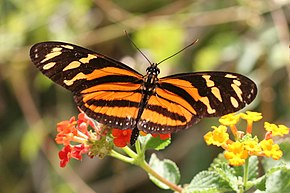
x=182, y=99
x=105, y=89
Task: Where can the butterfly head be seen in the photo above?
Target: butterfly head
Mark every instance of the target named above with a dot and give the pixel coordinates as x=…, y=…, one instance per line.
x=153, y=69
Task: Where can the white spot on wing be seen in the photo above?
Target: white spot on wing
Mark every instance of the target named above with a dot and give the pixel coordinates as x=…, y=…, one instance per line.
x=237, y=82
x=234, y=102
x=67, y=47
x=209, y=83
x=205, y=101
x=216, y=92
x=48, y=66
x=230, y=76
x=56, y=49
x=238, y=91
x=87, y=59
x=76, y=77
x=72, y=65
x=50, y=56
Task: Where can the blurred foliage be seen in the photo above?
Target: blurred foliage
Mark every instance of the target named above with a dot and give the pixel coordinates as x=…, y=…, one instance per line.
x=244, y=36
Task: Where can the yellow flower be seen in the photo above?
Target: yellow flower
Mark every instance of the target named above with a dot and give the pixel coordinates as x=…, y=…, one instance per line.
x=236, y=154
x=251, y=116
x=277, y=154
x=245, y=144
x=270, y=149
x=233, y=159
x=276, y=130
x=218, y=136
x=229, y=119
x=252, y=146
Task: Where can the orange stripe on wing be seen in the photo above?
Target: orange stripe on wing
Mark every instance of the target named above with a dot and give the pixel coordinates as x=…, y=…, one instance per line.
x=119, y=112
x=112, y=86
x=99, y=73
x=110, y=96
x=192, y=91
x=116, y=71
x=185, y=85
x=159, y=117
x=171, y=107
x=175, y=98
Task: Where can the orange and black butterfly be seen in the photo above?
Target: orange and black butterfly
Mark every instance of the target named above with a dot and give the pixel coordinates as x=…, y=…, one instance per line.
x=118, y=96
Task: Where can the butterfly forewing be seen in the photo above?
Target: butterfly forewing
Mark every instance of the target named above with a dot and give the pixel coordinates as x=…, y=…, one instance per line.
x=103, y=88
x=77, y=68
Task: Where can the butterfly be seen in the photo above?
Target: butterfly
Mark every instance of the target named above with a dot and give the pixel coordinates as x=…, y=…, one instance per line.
x=116, y=95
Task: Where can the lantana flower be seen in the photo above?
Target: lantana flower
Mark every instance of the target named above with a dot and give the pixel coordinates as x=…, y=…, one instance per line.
x=162, y=136
x=121, y=137
x=78, y=139
x=236, y=153
x=245, y=145
x=70, y=151
x=276, y=130
x=83, y=136
x=218, y=136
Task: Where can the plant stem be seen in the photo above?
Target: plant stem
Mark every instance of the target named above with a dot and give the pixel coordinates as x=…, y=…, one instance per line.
x=246, y=173
x=121, y=157
x=130, y=152
x=138, y=147
x=150, y=171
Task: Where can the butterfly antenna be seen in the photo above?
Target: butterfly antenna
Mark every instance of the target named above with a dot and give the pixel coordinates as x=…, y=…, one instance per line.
x=178, y=51
x=137, y=48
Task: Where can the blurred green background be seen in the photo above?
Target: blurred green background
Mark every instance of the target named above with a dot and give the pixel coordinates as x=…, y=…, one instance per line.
x=243, y=36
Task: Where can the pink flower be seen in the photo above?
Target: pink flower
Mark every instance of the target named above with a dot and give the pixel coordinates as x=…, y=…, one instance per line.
x=70, y=151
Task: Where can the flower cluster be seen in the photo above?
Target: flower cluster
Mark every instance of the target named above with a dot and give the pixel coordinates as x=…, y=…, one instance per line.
x=78, y=139
x=245, y=144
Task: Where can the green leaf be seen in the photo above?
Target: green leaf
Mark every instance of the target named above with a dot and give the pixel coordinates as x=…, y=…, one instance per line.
x=166, y=168
x=207, y=182
x=260, y=183
x=263, y=182
x=253, y=168
x=219, y=159
x=144, y=139
x=279, y=181
x=149, y=142
x=285, y=147
x=226, y=173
